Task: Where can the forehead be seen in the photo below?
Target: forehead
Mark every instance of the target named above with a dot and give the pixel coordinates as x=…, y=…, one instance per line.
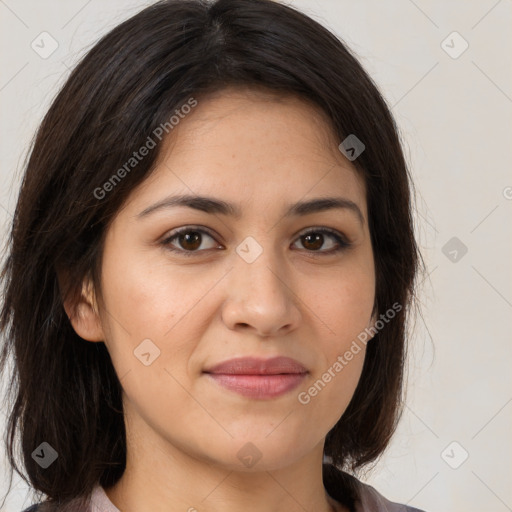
x=250, y=115
x=249, y=146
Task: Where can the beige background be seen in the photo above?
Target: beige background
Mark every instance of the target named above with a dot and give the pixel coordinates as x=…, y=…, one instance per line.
x=455, y=119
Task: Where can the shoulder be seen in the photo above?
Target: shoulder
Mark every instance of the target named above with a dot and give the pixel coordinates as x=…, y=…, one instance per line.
x=96, y=501
x=358, y=496
x=371, y=499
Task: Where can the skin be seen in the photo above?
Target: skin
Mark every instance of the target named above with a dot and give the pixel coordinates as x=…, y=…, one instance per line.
x=261, y=153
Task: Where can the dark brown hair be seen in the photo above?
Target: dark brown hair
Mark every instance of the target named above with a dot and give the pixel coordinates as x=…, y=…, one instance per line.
x=64, y=389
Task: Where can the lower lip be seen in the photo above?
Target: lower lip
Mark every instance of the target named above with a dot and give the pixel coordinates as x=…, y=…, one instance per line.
x=259, y=386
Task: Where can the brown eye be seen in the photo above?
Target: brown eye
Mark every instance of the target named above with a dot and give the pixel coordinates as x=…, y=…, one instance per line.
x=190, y=240
x=313, y=240
x=187, y=241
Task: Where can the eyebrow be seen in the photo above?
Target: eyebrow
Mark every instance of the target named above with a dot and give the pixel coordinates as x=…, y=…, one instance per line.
x=217, y=206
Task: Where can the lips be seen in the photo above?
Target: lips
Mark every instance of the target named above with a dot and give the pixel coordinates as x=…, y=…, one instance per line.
x=257, y=366
x=258, y=378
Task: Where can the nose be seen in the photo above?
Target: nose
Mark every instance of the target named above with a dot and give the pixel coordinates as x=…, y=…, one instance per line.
x=260, y=296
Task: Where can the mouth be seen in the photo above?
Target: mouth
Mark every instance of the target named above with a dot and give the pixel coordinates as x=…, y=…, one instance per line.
x=258, y=386
x=258, y=366
x=258, y=378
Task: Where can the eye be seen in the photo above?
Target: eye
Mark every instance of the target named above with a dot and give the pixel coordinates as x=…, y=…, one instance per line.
x=315, y=238
x=190, y=239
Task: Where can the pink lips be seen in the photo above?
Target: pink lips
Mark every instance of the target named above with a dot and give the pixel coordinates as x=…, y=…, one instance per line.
x=258, y=378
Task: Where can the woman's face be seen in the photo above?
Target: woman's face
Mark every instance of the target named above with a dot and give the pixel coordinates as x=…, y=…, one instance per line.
x=246, y=285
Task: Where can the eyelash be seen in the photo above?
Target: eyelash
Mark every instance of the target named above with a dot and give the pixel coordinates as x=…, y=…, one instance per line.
x=342, y=244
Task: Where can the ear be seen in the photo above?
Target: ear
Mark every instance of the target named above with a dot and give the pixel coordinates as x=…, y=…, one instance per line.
x=85, y=319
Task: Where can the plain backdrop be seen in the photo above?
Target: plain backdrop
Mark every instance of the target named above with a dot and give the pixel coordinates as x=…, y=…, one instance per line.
x=451, y=95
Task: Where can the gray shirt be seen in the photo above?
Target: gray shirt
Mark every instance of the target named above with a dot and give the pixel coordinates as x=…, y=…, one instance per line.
x=340, y=486
x=370, y=500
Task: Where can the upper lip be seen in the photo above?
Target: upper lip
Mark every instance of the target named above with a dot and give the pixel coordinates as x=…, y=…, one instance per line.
x=258, y=366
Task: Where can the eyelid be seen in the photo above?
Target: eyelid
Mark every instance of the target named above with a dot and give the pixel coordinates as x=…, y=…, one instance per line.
x=341, y=239
x=324, y=229
x=185, y=229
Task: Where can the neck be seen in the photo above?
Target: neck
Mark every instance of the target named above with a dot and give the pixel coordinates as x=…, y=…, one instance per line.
x=160, y=477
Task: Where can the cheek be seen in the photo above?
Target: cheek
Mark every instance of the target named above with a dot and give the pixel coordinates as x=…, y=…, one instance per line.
x=342, y=309
x=145, y=300
x=343, y=302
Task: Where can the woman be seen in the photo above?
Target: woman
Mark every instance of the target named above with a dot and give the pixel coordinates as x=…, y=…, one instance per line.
x=210, y=269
